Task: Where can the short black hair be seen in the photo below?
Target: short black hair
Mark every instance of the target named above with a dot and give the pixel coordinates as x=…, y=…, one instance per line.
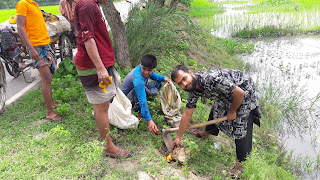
x=149, y=61
x=177, y=68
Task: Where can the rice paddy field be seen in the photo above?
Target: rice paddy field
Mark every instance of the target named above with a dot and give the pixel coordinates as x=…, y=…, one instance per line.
x=294, y=15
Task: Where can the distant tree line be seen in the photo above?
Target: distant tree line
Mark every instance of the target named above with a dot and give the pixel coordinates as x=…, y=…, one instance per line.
x=11, y=4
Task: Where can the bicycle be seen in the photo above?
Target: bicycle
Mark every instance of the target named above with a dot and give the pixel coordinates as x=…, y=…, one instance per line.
x=3, y=86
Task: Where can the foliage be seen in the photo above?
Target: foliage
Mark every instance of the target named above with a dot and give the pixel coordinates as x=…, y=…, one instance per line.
x=266, y=31
x=186, y=2
x=147, y=30
x=66, y=67
x=262, y=166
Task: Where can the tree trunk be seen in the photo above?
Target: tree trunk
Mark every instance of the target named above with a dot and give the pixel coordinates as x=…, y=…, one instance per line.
x=174, y=3
x=119, y=34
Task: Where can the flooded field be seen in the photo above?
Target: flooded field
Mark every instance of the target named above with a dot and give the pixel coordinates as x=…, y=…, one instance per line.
x=234, y=20
x=290, y=68
x=287, y=73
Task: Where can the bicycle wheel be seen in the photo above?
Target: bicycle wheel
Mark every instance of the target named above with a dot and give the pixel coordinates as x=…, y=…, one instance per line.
x=3, y=86
x=12, y=67
x=65, y=48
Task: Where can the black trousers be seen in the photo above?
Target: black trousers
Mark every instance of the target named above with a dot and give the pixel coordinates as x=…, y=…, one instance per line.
x=244, y=145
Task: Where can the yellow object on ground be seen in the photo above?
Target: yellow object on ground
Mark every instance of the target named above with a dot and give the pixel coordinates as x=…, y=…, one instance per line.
x=169, y=157
x=102, y=86
x=13, y=20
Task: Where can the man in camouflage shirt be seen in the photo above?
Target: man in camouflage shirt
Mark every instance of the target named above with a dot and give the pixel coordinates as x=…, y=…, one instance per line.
x=234, y=96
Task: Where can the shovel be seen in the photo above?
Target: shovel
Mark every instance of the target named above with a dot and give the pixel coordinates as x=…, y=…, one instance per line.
x=168, y=140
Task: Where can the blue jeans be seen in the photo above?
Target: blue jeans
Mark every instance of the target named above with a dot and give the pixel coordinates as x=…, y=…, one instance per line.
x=151, y=90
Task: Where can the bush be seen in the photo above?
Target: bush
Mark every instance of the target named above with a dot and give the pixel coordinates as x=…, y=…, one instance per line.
x=155, y=29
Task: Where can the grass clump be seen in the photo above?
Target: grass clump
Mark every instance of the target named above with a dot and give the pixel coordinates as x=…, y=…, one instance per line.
x=156, y=29
x=266, y=31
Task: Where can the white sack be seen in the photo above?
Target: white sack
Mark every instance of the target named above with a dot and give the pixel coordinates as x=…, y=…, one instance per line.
x=119, y=112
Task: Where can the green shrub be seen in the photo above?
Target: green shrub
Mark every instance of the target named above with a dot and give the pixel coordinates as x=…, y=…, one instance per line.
x=156, y=30
x=186, y=2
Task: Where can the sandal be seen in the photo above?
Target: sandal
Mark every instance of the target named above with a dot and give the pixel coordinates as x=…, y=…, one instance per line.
x=55, y=118
x=236, y=172
x=120, y=154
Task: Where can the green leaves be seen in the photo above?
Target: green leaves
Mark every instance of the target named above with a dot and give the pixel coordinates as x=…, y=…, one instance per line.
x=66, y=67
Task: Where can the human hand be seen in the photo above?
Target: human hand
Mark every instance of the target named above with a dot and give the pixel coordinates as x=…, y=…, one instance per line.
x=176, y=143
x=103, y=76
x=167, y=80
x=153, y=127
x=231, y=116
x=34, y=54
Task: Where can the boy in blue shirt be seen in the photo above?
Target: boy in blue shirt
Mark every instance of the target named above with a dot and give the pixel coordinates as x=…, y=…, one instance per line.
x=136, y=87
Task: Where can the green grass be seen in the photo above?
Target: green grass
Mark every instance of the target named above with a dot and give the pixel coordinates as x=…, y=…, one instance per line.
x=269, y=31
x=70, y=150
x=284, y=5
x=6, y=13
x=204, y=8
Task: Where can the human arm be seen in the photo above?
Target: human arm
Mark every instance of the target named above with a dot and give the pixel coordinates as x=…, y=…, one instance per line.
x=87, y=20
x=92, y=50
x=184, y=123
x=237, y=97
x=139, y=86
x=21, y=21
x=156, y=77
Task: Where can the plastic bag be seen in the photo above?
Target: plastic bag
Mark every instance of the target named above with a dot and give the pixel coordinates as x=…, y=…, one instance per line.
x=119, y=112
x=171, y=104
x=9, y=43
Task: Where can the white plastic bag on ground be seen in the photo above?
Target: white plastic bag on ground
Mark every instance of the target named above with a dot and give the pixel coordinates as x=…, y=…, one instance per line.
x=171, y=104
x=119, y=112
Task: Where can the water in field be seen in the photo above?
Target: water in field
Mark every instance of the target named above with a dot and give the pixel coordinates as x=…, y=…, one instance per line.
x=233, y=20
x=287, y=73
